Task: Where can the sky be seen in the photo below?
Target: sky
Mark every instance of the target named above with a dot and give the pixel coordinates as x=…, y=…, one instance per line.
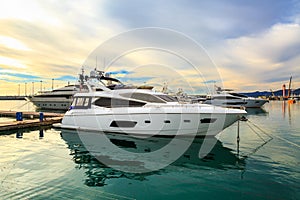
x=244, y=45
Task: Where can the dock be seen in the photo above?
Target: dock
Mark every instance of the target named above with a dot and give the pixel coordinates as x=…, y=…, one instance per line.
x=30, y=120
x=12, y=97
x=30, y=115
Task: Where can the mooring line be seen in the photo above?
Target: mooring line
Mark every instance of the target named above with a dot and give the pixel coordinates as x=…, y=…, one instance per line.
x=283, y=139
x=264, y=132
x=275, y=136
x=256, y=133
x=20, y=106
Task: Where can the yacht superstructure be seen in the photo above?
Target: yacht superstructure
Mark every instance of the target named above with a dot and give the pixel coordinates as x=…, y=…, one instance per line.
x=57, y=99
x=62, y=98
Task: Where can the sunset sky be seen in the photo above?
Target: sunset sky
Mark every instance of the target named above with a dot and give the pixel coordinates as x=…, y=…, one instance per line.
x=253, y=44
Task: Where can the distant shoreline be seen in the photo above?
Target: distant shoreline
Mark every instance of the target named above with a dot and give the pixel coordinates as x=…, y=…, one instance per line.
x=269, y=93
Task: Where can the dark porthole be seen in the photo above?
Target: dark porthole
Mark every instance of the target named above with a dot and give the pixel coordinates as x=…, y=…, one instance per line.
x=167, y=121
x=207, y=120
x=187, y=121
x=124, y=124
x=147, y=121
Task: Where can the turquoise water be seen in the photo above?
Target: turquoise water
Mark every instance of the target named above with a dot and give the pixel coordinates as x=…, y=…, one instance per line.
x=55, y=164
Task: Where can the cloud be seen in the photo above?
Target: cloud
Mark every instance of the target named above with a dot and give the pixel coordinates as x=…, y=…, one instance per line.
x=135, y=80
x=67, y=78
x=208, y=20
x=277, y=79
x=59, y=34
x=209, y=81
x=260, y=58
x=15, y=77
x=13, y=43
x=122, y=72
x=10, y=62
x=251, y=42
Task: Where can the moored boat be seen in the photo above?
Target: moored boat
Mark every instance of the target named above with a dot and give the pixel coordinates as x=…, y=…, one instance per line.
x=145, y=113
x=225, y=98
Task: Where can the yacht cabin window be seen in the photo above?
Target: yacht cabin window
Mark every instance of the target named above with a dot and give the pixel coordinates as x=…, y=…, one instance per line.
x=168, y=98
x=143, y=97
x=115, y=102
x=238, y=95
x=224, y=97
x=149, y=97
x=81, y=103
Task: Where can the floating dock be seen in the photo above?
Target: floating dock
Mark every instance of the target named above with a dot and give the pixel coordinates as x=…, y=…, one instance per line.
x=29, y=114
x=29, y=120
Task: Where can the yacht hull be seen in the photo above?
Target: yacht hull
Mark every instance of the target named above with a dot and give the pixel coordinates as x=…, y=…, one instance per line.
x=237, y=103
x=51, y=103
x=155, y=121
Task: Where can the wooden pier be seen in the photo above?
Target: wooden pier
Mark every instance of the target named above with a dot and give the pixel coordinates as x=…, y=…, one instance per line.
x=30, y=120
x=12, y=97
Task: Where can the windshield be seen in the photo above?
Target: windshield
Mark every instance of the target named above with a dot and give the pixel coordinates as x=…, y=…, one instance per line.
x=144, y=97
x=238, y=95
x=167, y=98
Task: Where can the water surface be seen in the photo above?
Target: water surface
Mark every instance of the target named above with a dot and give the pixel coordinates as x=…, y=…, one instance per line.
x=53, y=163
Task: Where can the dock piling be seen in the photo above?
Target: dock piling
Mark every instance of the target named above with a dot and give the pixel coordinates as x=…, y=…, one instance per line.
x=19, y=116
x=41, y=116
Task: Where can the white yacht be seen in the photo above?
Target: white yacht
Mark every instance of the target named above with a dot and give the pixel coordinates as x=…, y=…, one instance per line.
x=146, y=113
x=226, y=98
x=62, y=98
x=57, y=99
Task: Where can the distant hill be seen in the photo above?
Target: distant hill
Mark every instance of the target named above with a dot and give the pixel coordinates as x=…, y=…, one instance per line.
x=268, y=93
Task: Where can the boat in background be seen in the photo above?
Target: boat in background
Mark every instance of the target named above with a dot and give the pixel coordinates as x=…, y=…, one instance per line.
x=226, y=98
x=62, y=98
x=57, y=99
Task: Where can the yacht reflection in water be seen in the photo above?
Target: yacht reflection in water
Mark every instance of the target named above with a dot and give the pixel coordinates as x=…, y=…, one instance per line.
x=98, y=172
x=256, y=111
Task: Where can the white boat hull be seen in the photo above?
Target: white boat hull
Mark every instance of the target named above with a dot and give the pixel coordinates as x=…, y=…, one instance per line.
x=52, y=103
x=186, y=120
x=237, y=103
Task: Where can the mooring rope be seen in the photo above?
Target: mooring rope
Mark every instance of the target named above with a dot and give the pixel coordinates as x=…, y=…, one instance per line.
x=20, y=106
x=259, y=135
x=283, y=139
x=256, y=133
x=274, y=136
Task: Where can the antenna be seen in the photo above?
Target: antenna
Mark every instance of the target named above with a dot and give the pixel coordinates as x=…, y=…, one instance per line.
x=81, y=76
x=96, y=64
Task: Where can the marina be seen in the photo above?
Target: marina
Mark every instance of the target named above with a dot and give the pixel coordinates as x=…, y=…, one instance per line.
x=150, y=100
